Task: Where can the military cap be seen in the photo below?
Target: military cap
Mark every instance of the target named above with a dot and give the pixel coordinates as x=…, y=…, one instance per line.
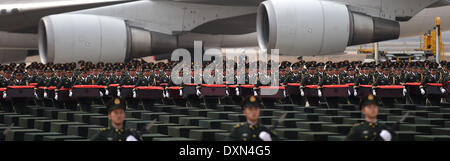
x=251, y=101
x=370, y=99
x=115, y=104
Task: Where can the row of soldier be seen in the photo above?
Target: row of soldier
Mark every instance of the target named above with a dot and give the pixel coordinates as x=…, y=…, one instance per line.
x=140, y=73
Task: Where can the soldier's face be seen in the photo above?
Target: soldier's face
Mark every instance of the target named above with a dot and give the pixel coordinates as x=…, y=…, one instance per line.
x=48, y=74
x=252, y=113
x=30, y=72
x=19, y=76
x=69, y=74
x=96, y=72
x=132, y=73
x=59, y=73
x=118, y=73
x=147, y=73
x=117, y=116
x=370, y=111
x=40, y=72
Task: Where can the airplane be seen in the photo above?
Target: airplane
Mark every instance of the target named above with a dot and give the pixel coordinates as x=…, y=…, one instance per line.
x=119, y=30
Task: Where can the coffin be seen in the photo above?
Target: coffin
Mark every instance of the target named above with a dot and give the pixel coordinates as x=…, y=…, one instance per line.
x=364, y=90
x=275, y=92
x=391, y=91
x=413, y=88
x=311, y=91
x=112, y=89
x=20, y=92
x=189, y=89
x=86, y=91
x=174, y=92
x=433, y=89
x=126, y=91
x=335, y=91
x=246, y=90
x=149, y=92
x=218, y=90
x=293, y=89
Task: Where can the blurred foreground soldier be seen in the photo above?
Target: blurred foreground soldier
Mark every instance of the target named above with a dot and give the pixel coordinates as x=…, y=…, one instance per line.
x=252, y=130
x=370, y=129
x=117, y=131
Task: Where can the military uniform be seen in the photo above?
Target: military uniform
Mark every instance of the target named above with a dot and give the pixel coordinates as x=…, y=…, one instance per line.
x=309, y=79
x=433, y=99
x=130, y=80
x=84, y=102
x=251, y=131
x=385, y=80
x=370, y=131
x=115, y=134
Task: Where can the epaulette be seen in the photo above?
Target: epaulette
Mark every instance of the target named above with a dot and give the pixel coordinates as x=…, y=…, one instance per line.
x=357, y=124
x=103, y=129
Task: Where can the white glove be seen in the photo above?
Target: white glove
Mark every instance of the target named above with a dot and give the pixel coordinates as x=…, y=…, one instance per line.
x=45, y=94
x=118, y=92
x=319, y=93
x=404, y=91
x=101, y=94
x=374, y=93
x=198, y=92
x=442, y=90
x=4, y=94
x=167, y=94
x=70, y=94
x=134, y=94
x=349, y=93
x=265, y=136
x=422, y=91
x=284, y=93
x=107, y=92
x=302, y=93
x=131, y=138
x=35, y=95
x=237, y=91
x=181, y=92
x=355, y=93
x=226, y=91
x=386, y=135
x=255, y=94
x=56, y=96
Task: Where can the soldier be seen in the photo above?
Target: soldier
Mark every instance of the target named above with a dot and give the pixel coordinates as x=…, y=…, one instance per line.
x=295, y=77
x=311, y=79
x=145, y=80
x=46, y=81
x=252, y=130
x=370, y=129
x=67, y=82
x=104, y=80
x=84, y=102
x=131, y=79
x=31, y=77
x=384, y=79
x=18, y=104
x=330, y=79
x=351, y=79
x=117, y=131
x=435, y=100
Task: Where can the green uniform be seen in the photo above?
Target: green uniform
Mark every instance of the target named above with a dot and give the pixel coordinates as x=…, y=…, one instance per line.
x=249, y=132
x=367, y=131
x=113, y=134
x=309, y=79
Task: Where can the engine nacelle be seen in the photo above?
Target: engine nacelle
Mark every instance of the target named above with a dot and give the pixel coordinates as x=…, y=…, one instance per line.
x=315, y=27
x=72, y=37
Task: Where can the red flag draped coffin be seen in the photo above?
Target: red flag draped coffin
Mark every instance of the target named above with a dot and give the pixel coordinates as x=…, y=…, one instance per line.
x=392, y=91
x=293, y=89
x=276, y=92
x=150, y=92
x=335, y=90
x=246, y=90
x=126, y=91
x=412, y=88
x=364, y=90
x=20, y=91
x=189, y=89
x=433, y=89
x=218, y=90
x=310, y=91
x=63, y=94
x=174, y=92
x=112, y=89
x=86, y=90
